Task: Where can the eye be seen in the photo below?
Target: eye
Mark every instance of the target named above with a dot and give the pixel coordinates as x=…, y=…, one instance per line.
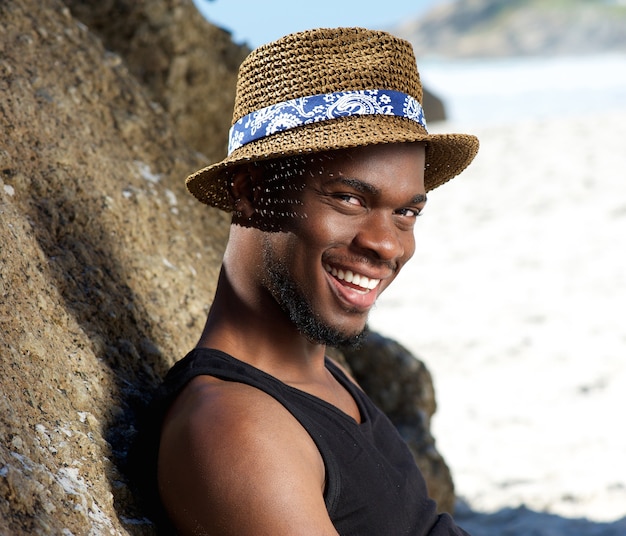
x=410, y=212
x=350, y=199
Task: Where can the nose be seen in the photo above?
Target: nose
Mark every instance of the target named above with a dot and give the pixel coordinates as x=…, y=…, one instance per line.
x=382, y=238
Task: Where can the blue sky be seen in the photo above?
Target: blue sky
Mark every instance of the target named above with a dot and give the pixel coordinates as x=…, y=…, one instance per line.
x=256, y=22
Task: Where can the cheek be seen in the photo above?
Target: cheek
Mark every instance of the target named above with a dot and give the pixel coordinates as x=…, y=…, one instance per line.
x=327, y=230
x=408, y=244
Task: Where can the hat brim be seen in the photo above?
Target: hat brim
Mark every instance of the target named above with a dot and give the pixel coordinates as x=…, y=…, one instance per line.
x=446, y=154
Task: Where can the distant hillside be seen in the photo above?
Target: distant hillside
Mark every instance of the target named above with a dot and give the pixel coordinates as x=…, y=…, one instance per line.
x=496, y=28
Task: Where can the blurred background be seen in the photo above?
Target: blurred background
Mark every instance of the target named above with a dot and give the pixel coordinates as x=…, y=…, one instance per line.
x=489, y=60
x=516, y=296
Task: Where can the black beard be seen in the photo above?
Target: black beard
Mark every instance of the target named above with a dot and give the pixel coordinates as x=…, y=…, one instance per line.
x=296, y=306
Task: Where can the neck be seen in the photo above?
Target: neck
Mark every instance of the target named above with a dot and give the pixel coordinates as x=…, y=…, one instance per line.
x=249, y=325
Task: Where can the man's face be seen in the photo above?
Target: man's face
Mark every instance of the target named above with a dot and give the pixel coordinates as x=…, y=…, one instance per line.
x=352, y=235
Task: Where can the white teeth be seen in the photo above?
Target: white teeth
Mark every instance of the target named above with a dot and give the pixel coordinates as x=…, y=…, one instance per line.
x=350, y=277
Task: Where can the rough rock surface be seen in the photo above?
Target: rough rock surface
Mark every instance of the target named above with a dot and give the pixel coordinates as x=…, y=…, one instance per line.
x=107, y=265
x=167, y=45
x=102, y=283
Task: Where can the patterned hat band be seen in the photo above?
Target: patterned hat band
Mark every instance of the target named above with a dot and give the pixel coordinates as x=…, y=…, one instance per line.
x=317, y=108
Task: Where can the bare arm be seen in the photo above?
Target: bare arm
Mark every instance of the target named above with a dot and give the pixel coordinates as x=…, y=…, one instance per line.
x=233, y=461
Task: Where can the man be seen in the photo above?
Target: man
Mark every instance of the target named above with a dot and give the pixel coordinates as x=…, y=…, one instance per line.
x=328, y=168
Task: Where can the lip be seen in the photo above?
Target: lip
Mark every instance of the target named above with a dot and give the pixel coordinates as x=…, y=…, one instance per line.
x=353, y=296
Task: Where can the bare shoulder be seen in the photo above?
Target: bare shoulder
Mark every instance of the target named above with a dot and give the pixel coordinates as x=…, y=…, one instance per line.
x=233, y=460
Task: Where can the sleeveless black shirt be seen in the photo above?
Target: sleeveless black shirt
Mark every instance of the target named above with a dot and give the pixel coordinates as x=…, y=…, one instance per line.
x=373, y=486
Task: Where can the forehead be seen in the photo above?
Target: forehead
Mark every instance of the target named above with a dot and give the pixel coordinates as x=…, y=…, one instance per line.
x=398, y=166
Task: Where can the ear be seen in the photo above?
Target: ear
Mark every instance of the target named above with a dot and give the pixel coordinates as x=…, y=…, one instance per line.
x=245, y=188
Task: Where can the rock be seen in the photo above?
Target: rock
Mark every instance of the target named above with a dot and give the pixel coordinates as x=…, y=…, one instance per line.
x=434, y=109
x=167, y=45
x=107, y=264
x=103, y=281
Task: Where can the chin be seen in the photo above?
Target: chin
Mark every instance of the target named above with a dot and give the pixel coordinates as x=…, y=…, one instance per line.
x=322, y=333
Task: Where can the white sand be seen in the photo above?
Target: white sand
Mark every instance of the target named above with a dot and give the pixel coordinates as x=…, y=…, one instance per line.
x=516, y=301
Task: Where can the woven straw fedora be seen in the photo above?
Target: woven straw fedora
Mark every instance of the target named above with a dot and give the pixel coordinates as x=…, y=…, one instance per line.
x=328, y=89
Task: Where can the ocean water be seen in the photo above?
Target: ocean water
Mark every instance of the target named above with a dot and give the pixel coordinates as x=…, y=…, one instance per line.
x=501, y=91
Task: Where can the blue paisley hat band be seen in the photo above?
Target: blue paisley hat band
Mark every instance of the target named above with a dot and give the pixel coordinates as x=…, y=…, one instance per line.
x=324, y=107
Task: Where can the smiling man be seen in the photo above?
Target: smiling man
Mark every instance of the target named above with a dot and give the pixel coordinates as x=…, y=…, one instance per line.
x=328, y=168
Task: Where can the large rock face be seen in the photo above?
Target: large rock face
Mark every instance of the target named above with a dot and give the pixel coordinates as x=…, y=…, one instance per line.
x=107, y=265
x=167, y=45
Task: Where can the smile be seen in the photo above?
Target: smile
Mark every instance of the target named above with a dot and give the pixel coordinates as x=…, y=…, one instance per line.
x=349, y=276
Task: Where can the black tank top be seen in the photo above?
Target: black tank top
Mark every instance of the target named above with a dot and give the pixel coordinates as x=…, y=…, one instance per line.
x=373, y=486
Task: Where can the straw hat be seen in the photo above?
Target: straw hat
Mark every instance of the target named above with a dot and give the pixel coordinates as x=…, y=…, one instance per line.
x=328, y=89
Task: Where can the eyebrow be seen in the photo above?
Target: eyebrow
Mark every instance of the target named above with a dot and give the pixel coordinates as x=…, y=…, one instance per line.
x=366, y=188
x=419, y=198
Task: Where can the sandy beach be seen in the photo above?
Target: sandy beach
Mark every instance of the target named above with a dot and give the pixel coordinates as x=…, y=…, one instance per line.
x=515, y=300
